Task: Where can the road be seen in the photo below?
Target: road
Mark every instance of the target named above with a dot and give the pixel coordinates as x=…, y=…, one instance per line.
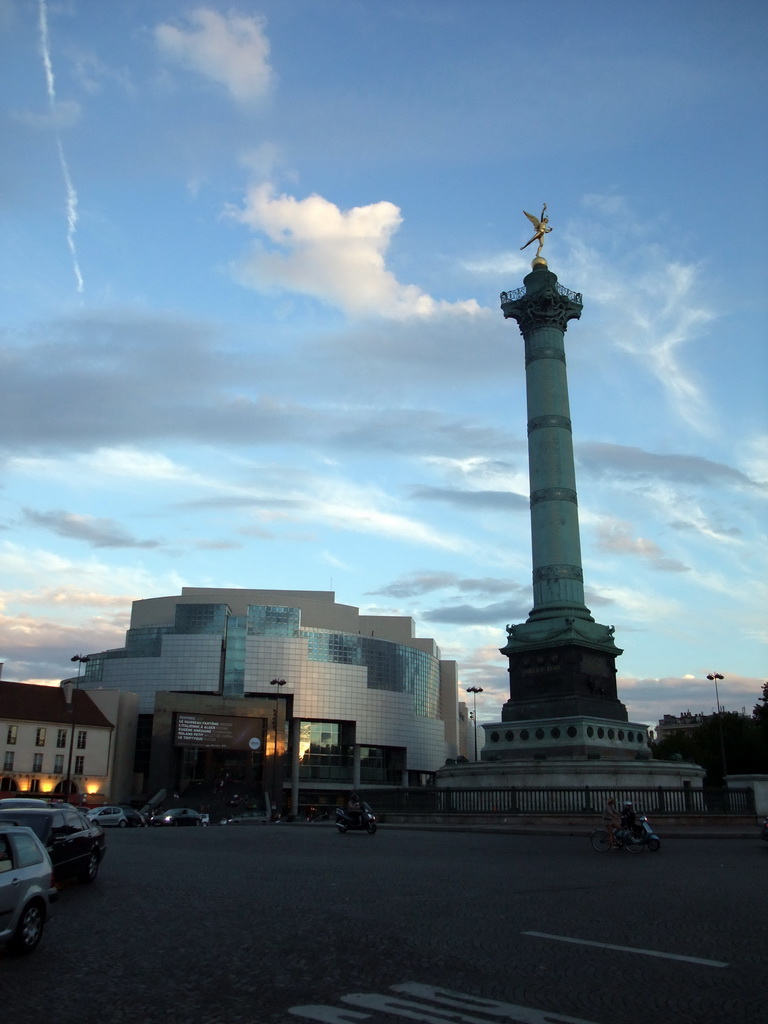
x=284, y=923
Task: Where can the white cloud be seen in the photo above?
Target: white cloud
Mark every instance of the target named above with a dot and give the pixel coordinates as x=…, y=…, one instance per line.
x=345, y=505
x=616, y=537
x=26, y=566
x=133, y=463
x=755, y=455
x=641, y=607
x=512, y=263
x=67, y=595
x=128, y=464
x=337, y=256
x=62, y=114
x=229, y=49
x=653, y=304
x=55, y=109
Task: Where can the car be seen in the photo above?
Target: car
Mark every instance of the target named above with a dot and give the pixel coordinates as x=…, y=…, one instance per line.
x=109, y=817
x=246, y=818
x=178, y=816
x=75, y=845
x=27, y=891
x=22, y=801
x=117, y=816
x=764, y=830
x=135, y=818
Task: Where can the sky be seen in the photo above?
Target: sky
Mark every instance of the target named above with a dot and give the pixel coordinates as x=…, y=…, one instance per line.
x=250, y=331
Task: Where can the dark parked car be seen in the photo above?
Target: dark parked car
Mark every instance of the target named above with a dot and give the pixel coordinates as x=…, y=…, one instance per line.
x=246, y=818
x=26, y=888
x=22, y=801
x=75, y=845
x=135, y=818
x=178, y=816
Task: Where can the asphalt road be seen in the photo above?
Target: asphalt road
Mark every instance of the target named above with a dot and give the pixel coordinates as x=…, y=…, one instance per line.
x=285, y=923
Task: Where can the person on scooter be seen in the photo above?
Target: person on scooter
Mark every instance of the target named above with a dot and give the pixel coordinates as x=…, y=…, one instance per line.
x=628, y=817
x=354, y=808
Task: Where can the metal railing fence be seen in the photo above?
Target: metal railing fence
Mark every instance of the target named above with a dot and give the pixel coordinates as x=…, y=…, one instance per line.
x=563, y=800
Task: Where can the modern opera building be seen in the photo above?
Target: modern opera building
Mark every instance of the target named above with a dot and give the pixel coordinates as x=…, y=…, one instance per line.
x=279, y=692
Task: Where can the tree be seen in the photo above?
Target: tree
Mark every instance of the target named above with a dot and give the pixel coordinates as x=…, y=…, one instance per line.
x=739, y=741
x=760, y=714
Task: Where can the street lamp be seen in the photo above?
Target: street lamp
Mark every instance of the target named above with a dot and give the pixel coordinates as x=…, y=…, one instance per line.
x=713, y=677
x=474, y=690
x=81, y=659
x=278, y=683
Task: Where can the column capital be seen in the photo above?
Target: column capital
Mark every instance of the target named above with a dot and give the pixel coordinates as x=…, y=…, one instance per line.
x=543, y=302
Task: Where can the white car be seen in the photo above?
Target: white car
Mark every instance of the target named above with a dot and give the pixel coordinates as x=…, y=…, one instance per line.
x=26, y=888
x=109, y=816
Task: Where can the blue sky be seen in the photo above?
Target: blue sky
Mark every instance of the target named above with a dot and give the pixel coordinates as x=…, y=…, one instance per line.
x=251, y=333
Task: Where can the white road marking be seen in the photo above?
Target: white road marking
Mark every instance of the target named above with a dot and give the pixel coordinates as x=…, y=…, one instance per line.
x=630, y=949
x=431, y=1005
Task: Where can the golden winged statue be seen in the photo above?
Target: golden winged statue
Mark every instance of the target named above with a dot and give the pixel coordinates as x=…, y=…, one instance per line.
x=541, y=225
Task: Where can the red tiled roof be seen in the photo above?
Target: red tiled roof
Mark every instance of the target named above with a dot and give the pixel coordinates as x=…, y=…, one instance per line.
x=30, y=702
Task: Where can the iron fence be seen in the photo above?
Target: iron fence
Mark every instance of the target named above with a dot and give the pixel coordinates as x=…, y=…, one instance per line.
x=563, y=800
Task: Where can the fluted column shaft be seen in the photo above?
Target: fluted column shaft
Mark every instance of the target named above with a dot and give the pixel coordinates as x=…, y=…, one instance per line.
x=542, y=311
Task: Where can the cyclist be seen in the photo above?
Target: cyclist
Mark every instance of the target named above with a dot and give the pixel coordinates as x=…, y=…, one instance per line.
x=611, y=820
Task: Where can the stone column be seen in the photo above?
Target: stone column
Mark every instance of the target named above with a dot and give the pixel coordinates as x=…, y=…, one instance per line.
x=561, y=662
x=542, y=310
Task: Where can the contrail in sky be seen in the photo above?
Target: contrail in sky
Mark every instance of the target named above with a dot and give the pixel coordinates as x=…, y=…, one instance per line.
x=45, y=49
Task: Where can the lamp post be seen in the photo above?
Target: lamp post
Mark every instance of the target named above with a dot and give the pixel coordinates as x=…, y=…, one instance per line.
x=713, y=677
x=278, y=683
x=81, y=659
x=474, y=690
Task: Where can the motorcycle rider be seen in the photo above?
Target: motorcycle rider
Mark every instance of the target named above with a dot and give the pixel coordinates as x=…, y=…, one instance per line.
x=355, y=808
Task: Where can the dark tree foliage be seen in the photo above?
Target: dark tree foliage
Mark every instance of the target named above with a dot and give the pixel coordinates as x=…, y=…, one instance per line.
x=741, y=743
x=760, y=714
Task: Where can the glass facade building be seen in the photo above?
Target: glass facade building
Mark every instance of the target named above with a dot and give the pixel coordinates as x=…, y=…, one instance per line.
x=362, y=701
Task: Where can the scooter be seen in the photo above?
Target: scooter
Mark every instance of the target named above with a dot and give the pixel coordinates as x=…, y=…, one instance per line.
x=364, y=821
x=646, y=833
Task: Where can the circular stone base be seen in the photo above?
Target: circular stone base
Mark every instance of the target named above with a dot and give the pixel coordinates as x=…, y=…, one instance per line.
x=568, y=772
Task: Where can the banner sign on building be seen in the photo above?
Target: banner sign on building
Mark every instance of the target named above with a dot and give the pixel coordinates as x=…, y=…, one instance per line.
x=218, y=731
